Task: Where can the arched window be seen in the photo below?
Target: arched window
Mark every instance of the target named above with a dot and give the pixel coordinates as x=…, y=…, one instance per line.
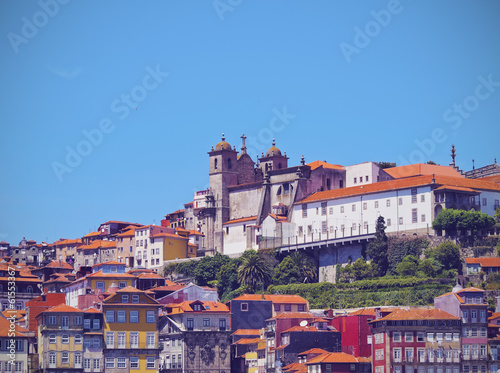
x=229, y=165
x=215, y=163
x=279, y=191
x=29, y=289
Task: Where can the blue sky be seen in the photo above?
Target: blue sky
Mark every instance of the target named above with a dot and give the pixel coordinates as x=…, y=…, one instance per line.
x=109, y=108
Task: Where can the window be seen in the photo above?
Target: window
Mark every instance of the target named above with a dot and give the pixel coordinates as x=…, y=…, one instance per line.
x=134, y=316
x=122, y=284
x=78, y=320
x=65, y=338
x=301, y=308
x=52, y=358
x=396, y=337
x=342, y=209
x=323, y=227
x=449, y=336
x=400, y=201
x=206, y=323
x=331, y=211
x=277, y=307
x=134, y=339
x=96, y=342
x=65, y=358
x=422, y=218
x=110, y=316
x=190, y=324
x=110, y=339
x=353, y=207
x=484, y=202
x=134, y=362
x=379, y=338
x=222, y=324
x=120, y=316
x=150, y=362
x=439, y=337
x=120, y=339
x=100, y=285
x=376, y=204
x=52, y=338
x=135, y=298
x=288, y=307
x=96, y=324
x=150, y=340
x=422, y=198
x=408, y=337
x=420, y=337
x=355, y=180
x=301, y=231
x=430, y=337
x=388, y=222
x=414, y=196
x=121, y=362
x=110, y=362
x=323, y=208
x=125, y=298
x=52, y=320
x=87, y=364
x=401, y=220
x=86, y=323
x=414, y=216
x=397, y=354
x=365, y=206
x=379, y=354
x=78, y=359
x=304, y=210
x=78, y=338
x=388, y=203
x=150, y=316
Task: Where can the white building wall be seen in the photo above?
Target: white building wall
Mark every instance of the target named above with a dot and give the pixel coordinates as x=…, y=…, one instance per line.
x=235, y=237
x=364, y=173
x=355, y=215
x=489, y=200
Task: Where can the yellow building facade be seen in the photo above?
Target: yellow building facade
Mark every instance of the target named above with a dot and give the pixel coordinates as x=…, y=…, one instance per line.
x=130, y=332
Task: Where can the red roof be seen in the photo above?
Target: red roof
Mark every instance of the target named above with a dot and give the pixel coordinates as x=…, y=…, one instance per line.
x=299, y=328
x=149, y=275
x=240, y=220
x=186, y=306
x=403, y=183
x=333, y=357
x=59, y=264
x=484, y=262
x=317, y=164
x=314, y=351
x=92, y=234
x=92, y=310
x=195, y=233
x=419, y=314
x=96, y=244
x=294, y=315
x=247, y=332
x=63, y=308
x=421, y=169
x=171, y=235
x=275, y=298
x=118, y=275
x=6, y=329
x=247, y=341
x=457, y=188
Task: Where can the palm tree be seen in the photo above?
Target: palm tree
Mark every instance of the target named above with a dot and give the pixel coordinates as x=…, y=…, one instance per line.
x=254, y=271
x=305, y=264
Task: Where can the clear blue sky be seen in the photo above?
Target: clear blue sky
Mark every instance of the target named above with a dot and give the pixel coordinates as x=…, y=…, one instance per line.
x=356, y=80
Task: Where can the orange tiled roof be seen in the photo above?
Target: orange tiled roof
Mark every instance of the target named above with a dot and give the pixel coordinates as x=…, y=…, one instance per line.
x=96, y=244
x=294, y=315
x=275, y=298
x=63, y=308
x=317, y=164
x=333, y=357
x=129, y=289
x=418, y=314
x=195, y=233
x=127, y=233
x=174, y=287
x=6, y=329
x=493, y=178
x=421, y=169
x=59, y=264
x=240, y=220
x=494, y=315
x=149, y=275
x=403, y=183
x=92, y=310
x=484, y=262
x=278, y=217
x=118, y=275
x=469, y=289
x=299, y=328
x=92, y=234
x=314, y=351
x=295, y=368
x=76, y=241
x=247, y=341
x=171, y=235
x=247, y=332
x=457, y=188
x=185, y=306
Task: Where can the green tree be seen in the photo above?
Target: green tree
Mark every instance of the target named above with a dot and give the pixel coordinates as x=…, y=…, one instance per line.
x=227, y=279
x=408, y=267
x=287, y=273
x=208, y=268
x=497, y=215
x=452, y=220
x=377, y=249
x=428, y=267
x=306, y=266
x=399, y=248
x=361, y=269
x=447, y=254
x=254, y=271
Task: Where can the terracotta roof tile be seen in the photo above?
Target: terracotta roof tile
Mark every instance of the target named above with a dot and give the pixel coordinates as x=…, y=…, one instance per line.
x=97, y=244
x=418, y=314
x=275, y=298
x=92, y=310
x=63, y=308
x=247, y=341
x=314, y=351
x=484, y=262
x=333, y=357
x=403, y=183
x=421, y=169
x=247, y=332
x=240, y=220
x=294, y=315
x=59, y=264
x=92, y=234
x=117, y=275
x=317, y=164
x=299, y=328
